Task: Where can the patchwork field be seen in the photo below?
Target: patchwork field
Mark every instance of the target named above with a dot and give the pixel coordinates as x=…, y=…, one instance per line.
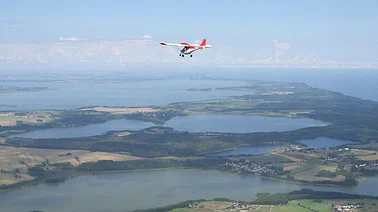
x=290, y=156
x=13, y=118
x=301, y=206
x=310, y=171
x=12, y=158
x=365, y=154
x=291, y=166
x=298, y=156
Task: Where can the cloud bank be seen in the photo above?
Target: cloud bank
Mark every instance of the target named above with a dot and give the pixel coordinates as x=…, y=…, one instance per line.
x=68, y=52
x=71, y=39
x=280, y=47
x=147, y=36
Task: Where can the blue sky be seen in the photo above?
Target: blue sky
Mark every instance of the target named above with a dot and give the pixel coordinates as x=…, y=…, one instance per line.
x=338, y=31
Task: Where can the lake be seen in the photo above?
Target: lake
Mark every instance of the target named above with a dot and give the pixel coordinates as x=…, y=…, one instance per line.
x=320, y=142
x=199, y=123
x=145, y=189
x=246, y=150
x=238, y=123
x=324, y=142
x=89, y=130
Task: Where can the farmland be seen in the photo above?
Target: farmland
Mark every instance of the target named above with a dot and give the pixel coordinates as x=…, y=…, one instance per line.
x=14, y=162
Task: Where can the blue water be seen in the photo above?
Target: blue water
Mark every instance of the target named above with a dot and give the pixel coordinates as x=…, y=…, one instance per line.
x=71, y=95
x=145, y=189
x=246, y=150
x=324, y=142
x=200, y=123
x=238, y=123
x=89, y=130
x=358, y=83
x=317, y=143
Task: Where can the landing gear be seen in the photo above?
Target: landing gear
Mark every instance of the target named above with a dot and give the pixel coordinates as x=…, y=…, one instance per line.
x=182, y=55
x=191, y=55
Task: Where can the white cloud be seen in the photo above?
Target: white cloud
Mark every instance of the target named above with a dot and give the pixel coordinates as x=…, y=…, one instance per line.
x=72, y=39
x=310, y=58
x=280, y=47
x=147, y=36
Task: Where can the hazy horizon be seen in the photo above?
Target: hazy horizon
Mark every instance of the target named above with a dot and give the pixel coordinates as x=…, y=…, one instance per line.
x=121, y=34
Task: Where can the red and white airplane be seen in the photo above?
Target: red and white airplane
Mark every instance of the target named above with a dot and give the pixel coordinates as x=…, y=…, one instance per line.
x=187, y=48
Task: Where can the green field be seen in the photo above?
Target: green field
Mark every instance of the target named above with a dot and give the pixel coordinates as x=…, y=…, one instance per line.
x=206, y=206
x=302, y=206
x=306, y=167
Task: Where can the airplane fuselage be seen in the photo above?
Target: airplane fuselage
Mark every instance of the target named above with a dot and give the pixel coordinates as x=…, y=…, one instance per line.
x=191, y=49
x=186, y=50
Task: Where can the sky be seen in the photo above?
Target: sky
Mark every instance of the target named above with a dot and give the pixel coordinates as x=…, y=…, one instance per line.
x=95, y=34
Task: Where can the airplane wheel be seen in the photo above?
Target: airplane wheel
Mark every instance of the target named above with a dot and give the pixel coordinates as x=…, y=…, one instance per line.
x=191, y=55
x=182, y=55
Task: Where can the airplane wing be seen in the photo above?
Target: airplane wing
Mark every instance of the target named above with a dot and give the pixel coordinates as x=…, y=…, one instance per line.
x=174, y=44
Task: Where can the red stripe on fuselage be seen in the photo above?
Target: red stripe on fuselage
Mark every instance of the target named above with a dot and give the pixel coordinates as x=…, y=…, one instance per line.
x=188, y=45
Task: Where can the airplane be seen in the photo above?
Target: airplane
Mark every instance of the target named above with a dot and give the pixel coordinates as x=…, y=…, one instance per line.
x=187, y=49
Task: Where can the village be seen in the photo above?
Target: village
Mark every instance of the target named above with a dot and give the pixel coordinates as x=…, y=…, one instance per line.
x=304, y=205
x=250, y=167
x=347, y=207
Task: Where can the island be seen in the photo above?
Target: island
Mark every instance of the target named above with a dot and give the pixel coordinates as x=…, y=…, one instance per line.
x=15, y=89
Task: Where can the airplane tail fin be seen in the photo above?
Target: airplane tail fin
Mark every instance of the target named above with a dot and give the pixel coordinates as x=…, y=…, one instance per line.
x=203, y=42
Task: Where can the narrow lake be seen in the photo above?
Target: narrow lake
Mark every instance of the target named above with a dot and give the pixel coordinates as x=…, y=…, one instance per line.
x=320, y=142
x=239, y=123
x=324, y=142
x=145, y=189
x=245, y=150
x=89, y=130
x=200, y=123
